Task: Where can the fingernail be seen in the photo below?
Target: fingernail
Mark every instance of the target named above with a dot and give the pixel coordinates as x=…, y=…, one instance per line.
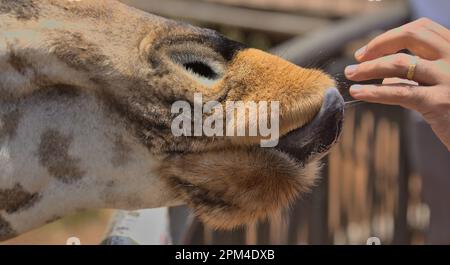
x=355, y=87
x=360, y=52
x=351, y=69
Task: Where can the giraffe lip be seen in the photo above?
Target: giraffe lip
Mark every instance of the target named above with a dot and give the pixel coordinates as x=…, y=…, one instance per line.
x=317, y=137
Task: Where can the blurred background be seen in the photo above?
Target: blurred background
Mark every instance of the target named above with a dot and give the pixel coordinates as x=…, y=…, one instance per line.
x=389, y=177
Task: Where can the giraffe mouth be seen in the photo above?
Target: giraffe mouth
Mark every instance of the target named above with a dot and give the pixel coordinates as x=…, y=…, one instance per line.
x=317, y=137
x=233, y=186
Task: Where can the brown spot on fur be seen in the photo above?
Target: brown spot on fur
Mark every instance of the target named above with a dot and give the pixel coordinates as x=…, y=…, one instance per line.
x=6, y=231
x=22, y=9
x=73, y=49
x=17, y=198
x=10, y=124
x=58, y=91
x=19, y=63
x=150, y=123
x=121, y=152
x=86, y=9
x=53, y=154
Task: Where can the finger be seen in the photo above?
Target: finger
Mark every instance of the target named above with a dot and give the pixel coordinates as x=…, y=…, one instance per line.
x=396, y=65
x=443, y=69
x=422, y=37
x=437, y=28
x=408, y=96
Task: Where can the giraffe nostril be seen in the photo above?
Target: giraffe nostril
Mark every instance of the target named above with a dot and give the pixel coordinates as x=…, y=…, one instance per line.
x=201, y=69
x=318, y=136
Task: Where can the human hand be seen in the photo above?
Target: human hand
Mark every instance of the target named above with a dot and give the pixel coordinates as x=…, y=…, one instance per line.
x=430, y=93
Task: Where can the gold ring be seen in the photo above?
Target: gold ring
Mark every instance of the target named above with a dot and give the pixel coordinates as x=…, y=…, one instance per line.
x=412, y=69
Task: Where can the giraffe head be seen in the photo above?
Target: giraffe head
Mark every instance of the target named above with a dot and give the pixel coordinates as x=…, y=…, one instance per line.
x=138, y=65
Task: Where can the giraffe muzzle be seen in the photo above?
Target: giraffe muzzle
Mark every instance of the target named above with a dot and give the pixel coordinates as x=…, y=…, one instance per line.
x=316, y=138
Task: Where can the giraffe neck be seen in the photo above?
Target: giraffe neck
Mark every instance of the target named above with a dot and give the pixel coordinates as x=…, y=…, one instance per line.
x=61, y=152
